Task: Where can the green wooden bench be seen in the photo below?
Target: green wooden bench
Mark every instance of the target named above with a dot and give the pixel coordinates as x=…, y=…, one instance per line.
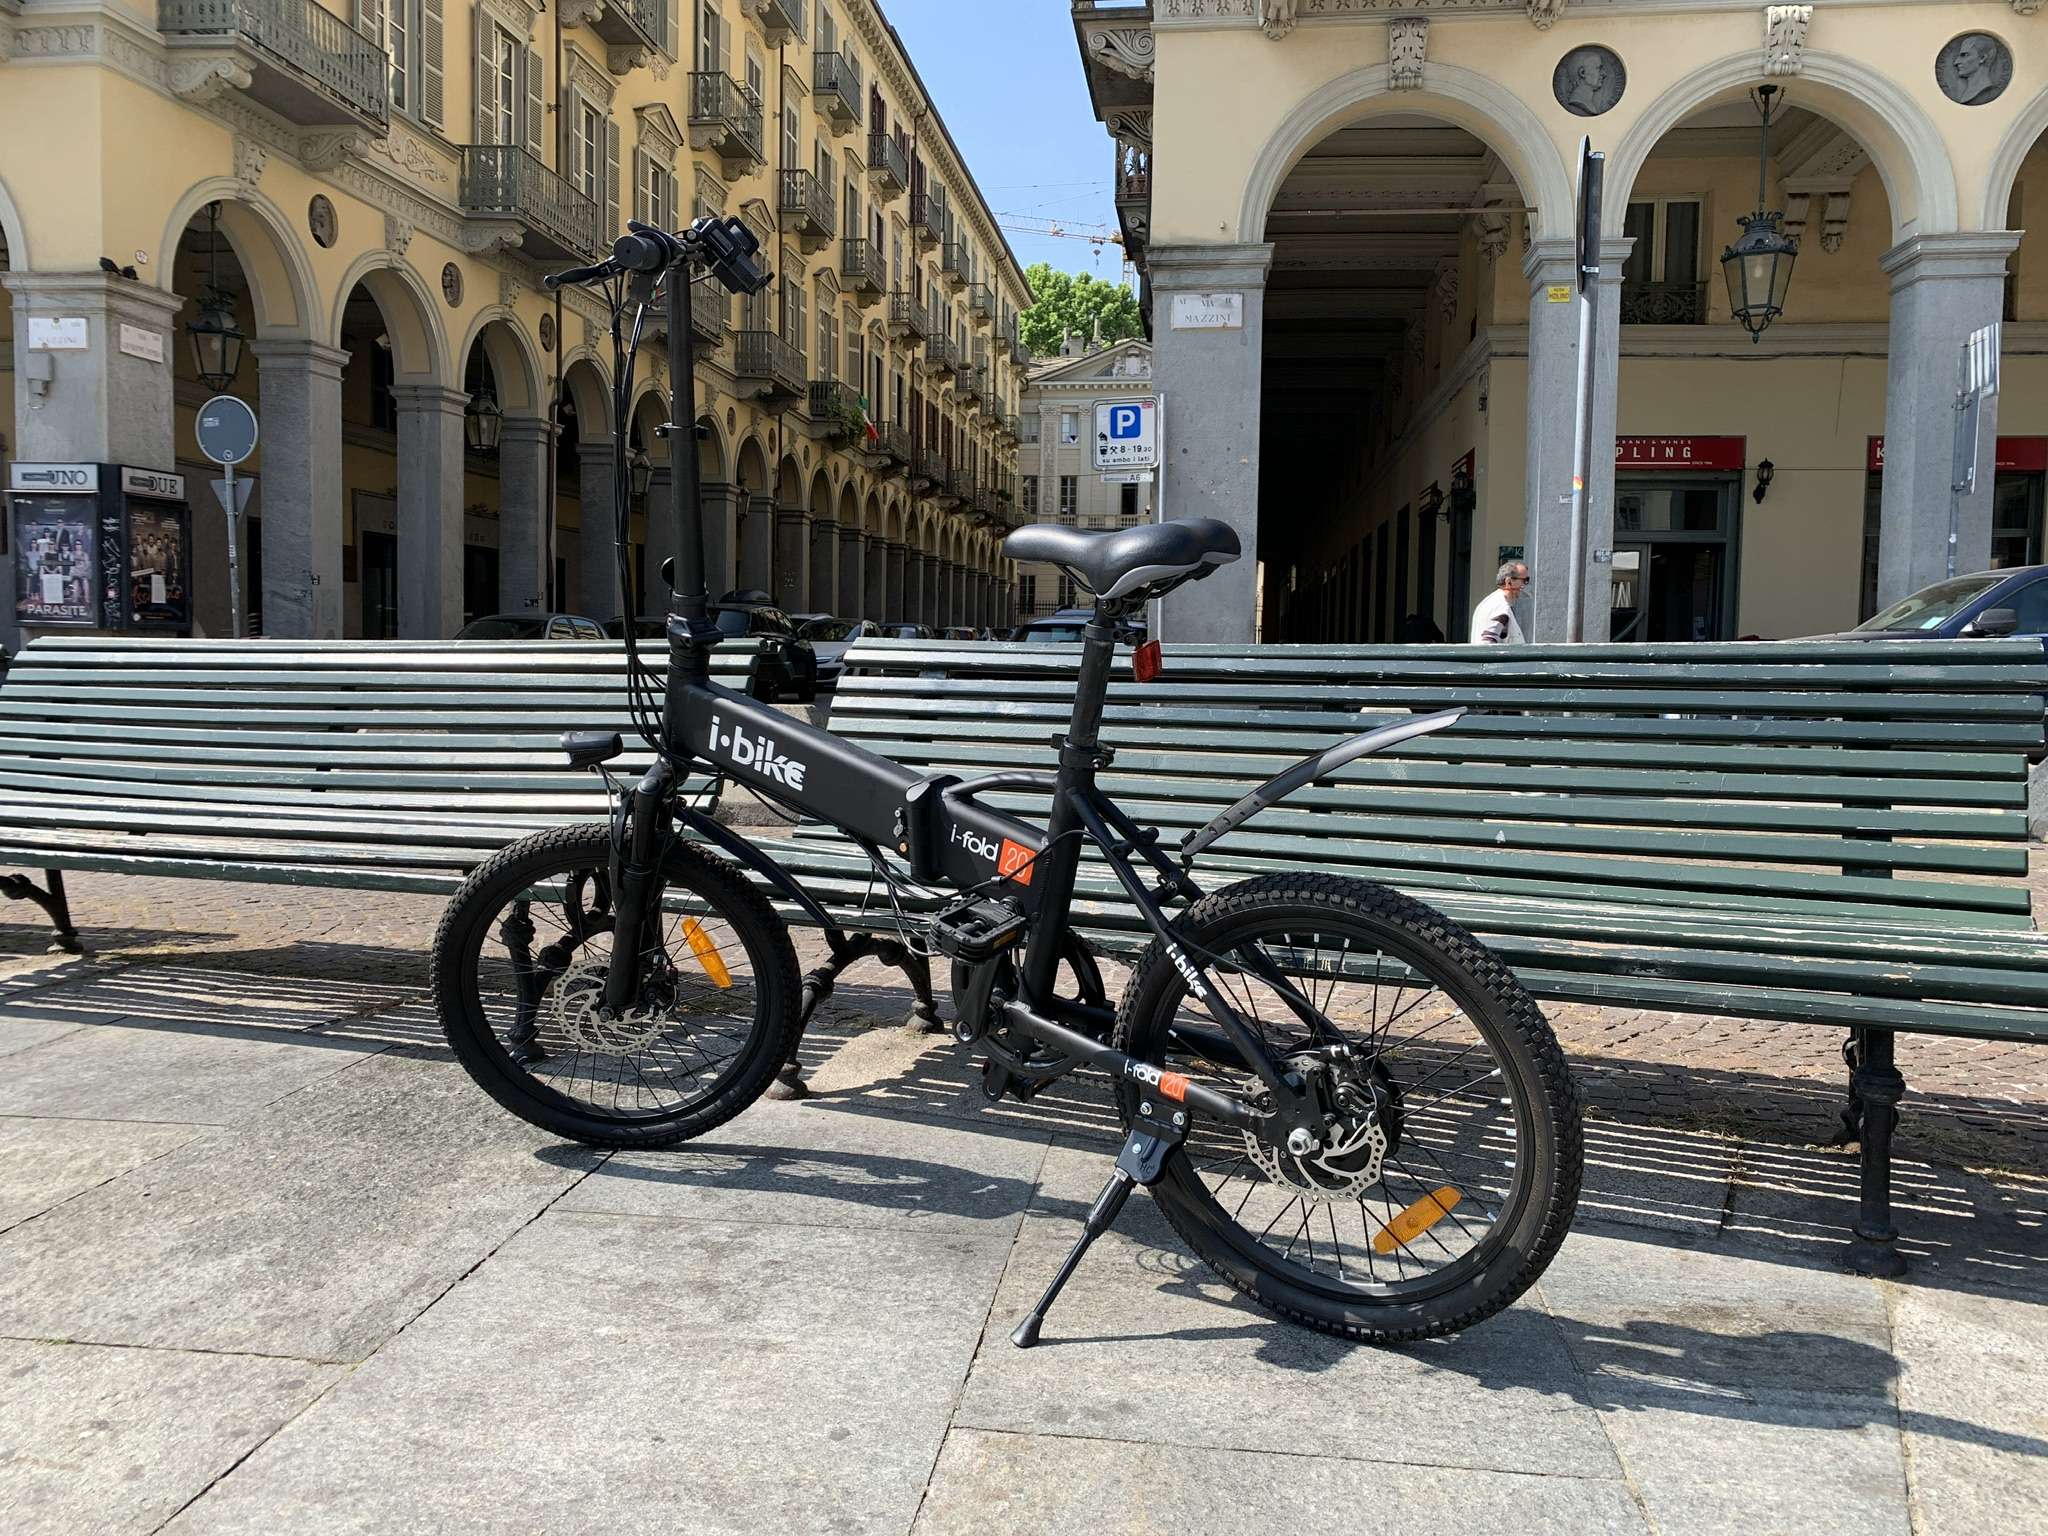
x=1828, y=834
x=389, y=765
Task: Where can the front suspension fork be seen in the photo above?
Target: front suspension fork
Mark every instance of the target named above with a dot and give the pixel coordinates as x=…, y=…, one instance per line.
x=633, y=871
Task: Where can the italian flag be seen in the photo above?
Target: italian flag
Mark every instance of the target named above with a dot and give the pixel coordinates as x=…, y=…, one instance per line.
x=867, y=421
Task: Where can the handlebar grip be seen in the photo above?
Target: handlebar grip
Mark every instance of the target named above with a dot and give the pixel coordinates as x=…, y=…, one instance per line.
x=556, y=280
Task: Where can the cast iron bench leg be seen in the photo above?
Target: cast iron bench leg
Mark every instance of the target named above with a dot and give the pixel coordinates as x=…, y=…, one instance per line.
x=818, y=985
x=54, y=906
x=1876, y=1087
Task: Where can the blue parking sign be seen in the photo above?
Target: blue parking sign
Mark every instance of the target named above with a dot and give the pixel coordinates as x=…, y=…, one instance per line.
x=1127, y=434
x=1125, y=421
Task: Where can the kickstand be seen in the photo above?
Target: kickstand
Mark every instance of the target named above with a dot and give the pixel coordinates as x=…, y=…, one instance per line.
x=1142, y=1161
x=845, y=950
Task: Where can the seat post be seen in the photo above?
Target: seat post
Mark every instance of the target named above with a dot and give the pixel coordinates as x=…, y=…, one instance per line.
x=1098, y=652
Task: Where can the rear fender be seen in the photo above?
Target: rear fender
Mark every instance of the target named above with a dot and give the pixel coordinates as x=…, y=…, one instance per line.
x=1310, y=769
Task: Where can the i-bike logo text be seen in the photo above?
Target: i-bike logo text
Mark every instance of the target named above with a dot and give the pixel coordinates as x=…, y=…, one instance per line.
x=757, y=753
x=1187, y=972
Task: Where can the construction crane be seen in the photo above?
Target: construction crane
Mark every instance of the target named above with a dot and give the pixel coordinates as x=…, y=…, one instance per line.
x=1097, y=235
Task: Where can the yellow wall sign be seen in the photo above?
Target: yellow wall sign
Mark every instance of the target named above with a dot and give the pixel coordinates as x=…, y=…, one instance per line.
x=1558, y=293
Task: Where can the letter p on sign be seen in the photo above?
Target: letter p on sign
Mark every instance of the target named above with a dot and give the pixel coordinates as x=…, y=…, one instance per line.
x=1125, y=421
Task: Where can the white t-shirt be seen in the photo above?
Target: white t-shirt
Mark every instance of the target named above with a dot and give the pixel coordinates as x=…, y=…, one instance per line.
x=1494, y=623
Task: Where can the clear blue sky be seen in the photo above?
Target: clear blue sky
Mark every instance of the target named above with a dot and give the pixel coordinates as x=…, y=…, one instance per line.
x=1007, y=77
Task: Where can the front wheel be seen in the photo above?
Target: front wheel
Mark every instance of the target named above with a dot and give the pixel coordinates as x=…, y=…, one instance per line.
x=519, y=970
x=1452, y=1162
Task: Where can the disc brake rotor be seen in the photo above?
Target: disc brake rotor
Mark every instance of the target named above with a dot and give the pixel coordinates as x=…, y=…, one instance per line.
x=1349, y=1161
x=574, y=1008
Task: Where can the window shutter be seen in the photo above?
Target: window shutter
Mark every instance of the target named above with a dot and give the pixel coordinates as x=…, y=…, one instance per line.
x=612, y=226
x=674, y=201
x=370, y=20
x=536, y=134
x=432, y=47
x=485, y=86
x=672, y=41
x=642, y=164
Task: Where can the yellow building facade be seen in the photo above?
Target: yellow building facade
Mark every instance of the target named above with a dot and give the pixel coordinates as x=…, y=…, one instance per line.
x=370, y=194
x=1356, y=224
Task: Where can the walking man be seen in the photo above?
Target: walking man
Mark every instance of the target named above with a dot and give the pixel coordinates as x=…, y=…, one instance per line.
x=1493, y=621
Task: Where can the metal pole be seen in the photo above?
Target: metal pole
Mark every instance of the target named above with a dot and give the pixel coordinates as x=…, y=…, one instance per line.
x=1156, y=619
x=688, y=597
x=234, y=557
x=1582, y=464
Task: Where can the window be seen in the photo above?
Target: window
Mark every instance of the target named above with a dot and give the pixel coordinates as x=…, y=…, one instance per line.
x=1027, y=592
x=589, y=152
x=410, y=33
x=1028, y=428
x=1661, y=282
x=504, y=86
x=790, y=149
x=1127, y=503
x=1066, y=591
x=710, y=39
x=1070, y=495
x=1031, y=494
x=828, y=338
x=655, y=194
x=1070, y=426
x=828, y=32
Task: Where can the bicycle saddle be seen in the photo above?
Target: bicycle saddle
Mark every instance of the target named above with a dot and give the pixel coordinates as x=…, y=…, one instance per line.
x=1118, y=561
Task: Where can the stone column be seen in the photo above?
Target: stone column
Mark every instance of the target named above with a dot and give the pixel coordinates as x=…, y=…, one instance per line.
x=852, y=574
x=824, y=585
x=1552, y=426
x=1211, y=426
x=877, y=604
x=661, y=544
x=1943, y=288
x=757, y=542
x=956, y=593
x=792, y=558
x=299, y=408
x=429, y=510
x=930, y=589
x=523, y=515
x=597, y=595
x=102, y=405
x=721, y=537
x=913, y=588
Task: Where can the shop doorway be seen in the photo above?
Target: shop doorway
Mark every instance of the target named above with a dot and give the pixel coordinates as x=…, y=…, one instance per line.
x=1674, y=570
x=379, y=585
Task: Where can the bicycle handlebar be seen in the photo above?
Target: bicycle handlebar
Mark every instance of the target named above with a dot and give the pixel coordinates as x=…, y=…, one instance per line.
x=726, y=246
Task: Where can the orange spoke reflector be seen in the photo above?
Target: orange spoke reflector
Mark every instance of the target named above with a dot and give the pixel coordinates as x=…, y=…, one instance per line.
x=1417, y=1219
x=714, y=964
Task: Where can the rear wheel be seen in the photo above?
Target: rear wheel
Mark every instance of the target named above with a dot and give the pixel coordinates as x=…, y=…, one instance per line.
x=1452, y=1162
x=519, y=970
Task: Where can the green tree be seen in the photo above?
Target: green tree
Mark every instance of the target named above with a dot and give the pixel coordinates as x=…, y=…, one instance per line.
x=1068, y=302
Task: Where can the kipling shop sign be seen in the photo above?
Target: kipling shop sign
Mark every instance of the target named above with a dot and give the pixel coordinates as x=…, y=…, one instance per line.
x=1679, y=452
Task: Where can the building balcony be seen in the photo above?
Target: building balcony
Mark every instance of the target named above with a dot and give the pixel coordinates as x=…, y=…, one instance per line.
x=807, y=213
x=981, y=300
x=710, y=312
x=304, y=63
x=727, y=122
x=927, y=469
x=906, y=316
x=953, y=265
x=540, y=212
x=927, y=218
x=888, y=165
x=781, y=21
x=862, y=272
x=947, y=483
x=834, y=409
x=634, y=29
x=1663, y=303
x=835, y=90
x=768, y=367
x=940, y=357
x=890, y=451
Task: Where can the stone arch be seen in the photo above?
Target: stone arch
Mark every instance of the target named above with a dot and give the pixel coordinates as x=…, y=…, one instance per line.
x=13, y=232
x=849, y=505
x=1462, y=96
x=419, y=346
x=585, y=383
x=515, y=365
x=282, y=288
x=2021, y=136
x=820, y=504
x=752, y=465
x=789, y=483
x=711, y=456
x=871, y=514
x=1901, y=140
x=649, y=412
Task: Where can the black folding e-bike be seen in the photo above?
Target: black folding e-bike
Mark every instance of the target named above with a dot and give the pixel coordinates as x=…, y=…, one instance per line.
x=1343, y=1102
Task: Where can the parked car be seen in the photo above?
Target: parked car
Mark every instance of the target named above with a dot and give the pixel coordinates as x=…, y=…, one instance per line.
x=787, y=663
x=2009, y=602
x=644, y=628
x=531, y=626
x=900, y=631
x=831, y=639
x=959, y=632
x=1065, y=626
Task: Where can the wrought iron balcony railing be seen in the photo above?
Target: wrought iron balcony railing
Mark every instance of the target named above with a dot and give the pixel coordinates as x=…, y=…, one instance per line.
x=888, y=165
x=781, y=20
x=305, y=63
x=939, y=355
x=835, y=87
x=835, y=405
x=710, y=312
x=892, y=443
x=928, y=217
x=807, y=212
x=861, y=268
x=504, y=182
x=632, y=25
x=907, y=316
x=769, y=364
x=1663, y=303
x=726, y=119
x=953, y=264
x=982, y=300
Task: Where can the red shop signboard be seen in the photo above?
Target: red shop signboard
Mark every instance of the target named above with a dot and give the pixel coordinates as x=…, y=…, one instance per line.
x=1679, y=452
x=2027, y=455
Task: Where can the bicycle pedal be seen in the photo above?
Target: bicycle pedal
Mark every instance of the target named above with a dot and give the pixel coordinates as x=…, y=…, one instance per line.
x=976, y=931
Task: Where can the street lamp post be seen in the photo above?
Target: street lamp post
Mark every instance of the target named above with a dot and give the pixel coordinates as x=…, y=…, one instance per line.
x=1758, y=266
x=216, y=339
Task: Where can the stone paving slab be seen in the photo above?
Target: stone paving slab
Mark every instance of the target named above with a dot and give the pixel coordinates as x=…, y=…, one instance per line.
x=315, y=1229
x=614, y=1373
x=1145, y=1342
x=45, y=1162
x=114, y=1441
x=1063, y=1485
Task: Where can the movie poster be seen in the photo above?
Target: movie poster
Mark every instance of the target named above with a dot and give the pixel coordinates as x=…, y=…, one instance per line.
x=56, y=560
x=159, y=586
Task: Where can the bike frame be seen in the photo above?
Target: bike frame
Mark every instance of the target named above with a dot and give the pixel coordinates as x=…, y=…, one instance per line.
x=933, y=822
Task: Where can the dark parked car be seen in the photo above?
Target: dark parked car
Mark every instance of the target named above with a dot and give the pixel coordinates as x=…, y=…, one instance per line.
x=645, y=629
x=831, y=639
x=531, y=626
x=906, y=631
x=1065, y=626
x=787, y=664
x=959, y=632
x=2012, y=602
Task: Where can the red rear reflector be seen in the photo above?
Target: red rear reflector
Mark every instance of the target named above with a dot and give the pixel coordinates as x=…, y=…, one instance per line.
x=1146, y=663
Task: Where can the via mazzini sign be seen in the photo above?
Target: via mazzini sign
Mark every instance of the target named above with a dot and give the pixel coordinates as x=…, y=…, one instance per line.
x=1207, y=312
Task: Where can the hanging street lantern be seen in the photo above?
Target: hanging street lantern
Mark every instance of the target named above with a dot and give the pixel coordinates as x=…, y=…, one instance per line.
x=216, y=339
x=1758, y=266
x=640, y=469
x=483, y=424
